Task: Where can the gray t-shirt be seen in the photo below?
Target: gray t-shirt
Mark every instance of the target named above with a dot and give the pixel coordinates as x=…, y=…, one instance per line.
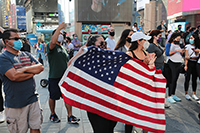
x=111, y=43
x=17, y=94
x=163, y=33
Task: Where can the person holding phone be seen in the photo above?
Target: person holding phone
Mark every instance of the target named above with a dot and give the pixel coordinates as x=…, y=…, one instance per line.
x=174, y=60
x=190, y=67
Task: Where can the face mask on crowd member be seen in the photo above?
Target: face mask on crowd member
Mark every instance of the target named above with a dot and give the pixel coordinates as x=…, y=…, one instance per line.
x=76, y=37
x=179, y=28
x=60, y=38
x=191, y=41
x=17, y=45
x=128, y=39
x=159, y=39
x=112, y=33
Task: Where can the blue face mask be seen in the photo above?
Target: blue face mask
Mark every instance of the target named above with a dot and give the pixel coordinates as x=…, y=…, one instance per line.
x=76, y=37
x=17, y=45
x=191, y=41
x=164, y=23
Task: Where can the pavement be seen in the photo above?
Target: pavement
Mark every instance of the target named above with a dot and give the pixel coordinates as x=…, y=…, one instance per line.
x=181, y=117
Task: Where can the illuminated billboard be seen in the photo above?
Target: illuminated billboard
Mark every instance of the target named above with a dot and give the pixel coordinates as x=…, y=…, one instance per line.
x=141, y=4
x=189, y=5
x=182, y=7
x=105, y=10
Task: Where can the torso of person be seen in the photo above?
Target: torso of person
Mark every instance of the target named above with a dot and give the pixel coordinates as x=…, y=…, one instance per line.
x=57, y=58
x=177, y=56
x=22, y=93
x=111, y=43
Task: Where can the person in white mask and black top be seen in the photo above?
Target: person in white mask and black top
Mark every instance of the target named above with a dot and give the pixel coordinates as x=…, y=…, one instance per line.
x=174, y=60
x=190, y=67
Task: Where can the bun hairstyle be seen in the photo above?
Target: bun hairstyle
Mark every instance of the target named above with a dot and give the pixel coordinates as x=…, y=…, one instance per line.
x=91, y=40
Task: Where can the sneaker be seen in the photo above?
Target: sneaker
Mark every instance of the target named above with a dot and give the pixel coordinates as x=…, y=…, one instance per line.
x=72, y=119
x=2, y=117
x=171, y=100
x=54, y=118
x=188, y=97
x=198, y=102
x=195, y=97
x=176, y=98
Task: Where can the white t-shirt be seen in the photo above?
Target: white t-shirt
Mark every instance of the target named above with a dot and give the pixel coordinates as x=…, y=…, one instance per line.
x=134, y=28
x=177, y=56
x=191, y=53
x=111, y=43
x=71, y=46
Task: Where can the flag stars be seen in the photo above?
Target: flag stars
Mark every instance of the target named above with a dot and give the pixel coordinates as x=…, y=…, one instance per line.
x=101, y=75
x=107, y=74
x=109, y=78
x=112, y=72
x=105, y=68
x=98, y=61
x=113, y=53
x=83, y=60
x=88, y=58
x=110, y=67
x=88, y=63
x=94, y=67
x=104, y=61
x=100, y=70
x=92, y=61
x=90, y=68
x=115, y=65
x=97, y=56
x=79, y=62
x=95, y=72
x=83, y=65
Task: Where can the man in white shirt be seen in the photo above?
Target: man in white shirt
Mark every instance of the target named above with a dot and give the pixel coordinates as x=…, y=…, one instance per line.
x=110, y=40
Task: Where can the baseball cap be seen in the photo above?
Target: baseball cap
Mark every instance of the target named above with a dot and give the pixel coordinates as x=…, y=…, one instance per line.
x=139, y=35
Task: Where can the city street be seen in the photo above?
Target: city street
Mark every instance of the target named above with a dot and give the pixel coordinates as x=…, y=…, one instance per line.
x=181, y=117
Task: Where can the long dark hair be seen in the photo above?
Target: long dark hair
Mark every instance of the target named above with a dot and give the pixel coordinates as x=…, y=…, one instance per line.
x=173, y=36
x=196, y=40
x=152, y=34
x=134, y=45
x=122, y=40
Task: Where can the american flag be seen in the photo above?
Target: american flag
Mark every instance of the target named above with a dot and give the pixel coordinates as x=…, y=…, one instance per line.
x=117, y=87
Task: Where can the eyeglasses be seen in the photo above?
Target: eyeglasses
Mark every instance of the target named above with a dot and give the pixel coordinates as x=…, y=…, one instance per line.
x=15, y=38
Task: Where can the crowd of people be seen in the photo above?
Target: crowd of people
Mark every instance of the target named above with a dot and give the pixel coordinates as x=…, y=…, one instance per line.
x=168, y=51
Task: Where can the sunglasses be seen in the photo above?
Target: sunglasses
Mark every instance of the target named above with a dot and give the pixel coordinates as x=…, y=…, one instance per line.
x=15, y=38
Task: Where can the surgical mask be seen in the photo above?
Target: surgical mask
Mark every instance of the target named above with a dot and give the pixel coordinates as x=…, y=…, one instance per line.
x=17, y=45
x=164, y=23
x=60, y=38
x=191, y=41
x=112, y=33
x=76, y=37
x=128, y=39
x=159, y=39
x=176, y=42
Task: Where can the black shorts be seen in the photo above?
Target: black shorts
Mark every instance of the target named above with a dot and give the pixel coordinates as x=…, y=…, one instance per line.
x=54, y=89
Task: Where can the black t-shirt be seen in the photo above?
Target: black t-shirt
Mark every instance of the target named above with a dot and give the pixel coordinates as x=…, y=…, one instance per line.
x=26, y=47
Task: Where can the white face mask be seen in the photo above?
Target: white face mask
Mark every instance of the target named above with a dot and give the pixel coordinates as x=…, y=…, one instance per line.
x=146, y=45
x=60, y=38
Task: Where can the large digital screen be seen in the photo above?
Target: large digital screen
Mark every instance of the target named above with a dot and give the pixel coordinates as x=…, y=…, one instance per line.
x=105, y=10
x=191, y=5
x=141, y=4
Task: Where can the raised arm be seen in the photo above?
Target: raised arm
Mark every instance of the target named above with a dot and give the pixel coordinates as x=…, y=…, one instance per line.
x=56, y=34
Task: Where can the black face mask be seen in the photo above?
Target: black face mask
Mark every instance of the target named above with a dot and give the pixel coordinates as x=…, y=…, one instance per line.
x=128, y=39
x=179, y=28
x=112, y=33
x=66, y=41
x=176, y=42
